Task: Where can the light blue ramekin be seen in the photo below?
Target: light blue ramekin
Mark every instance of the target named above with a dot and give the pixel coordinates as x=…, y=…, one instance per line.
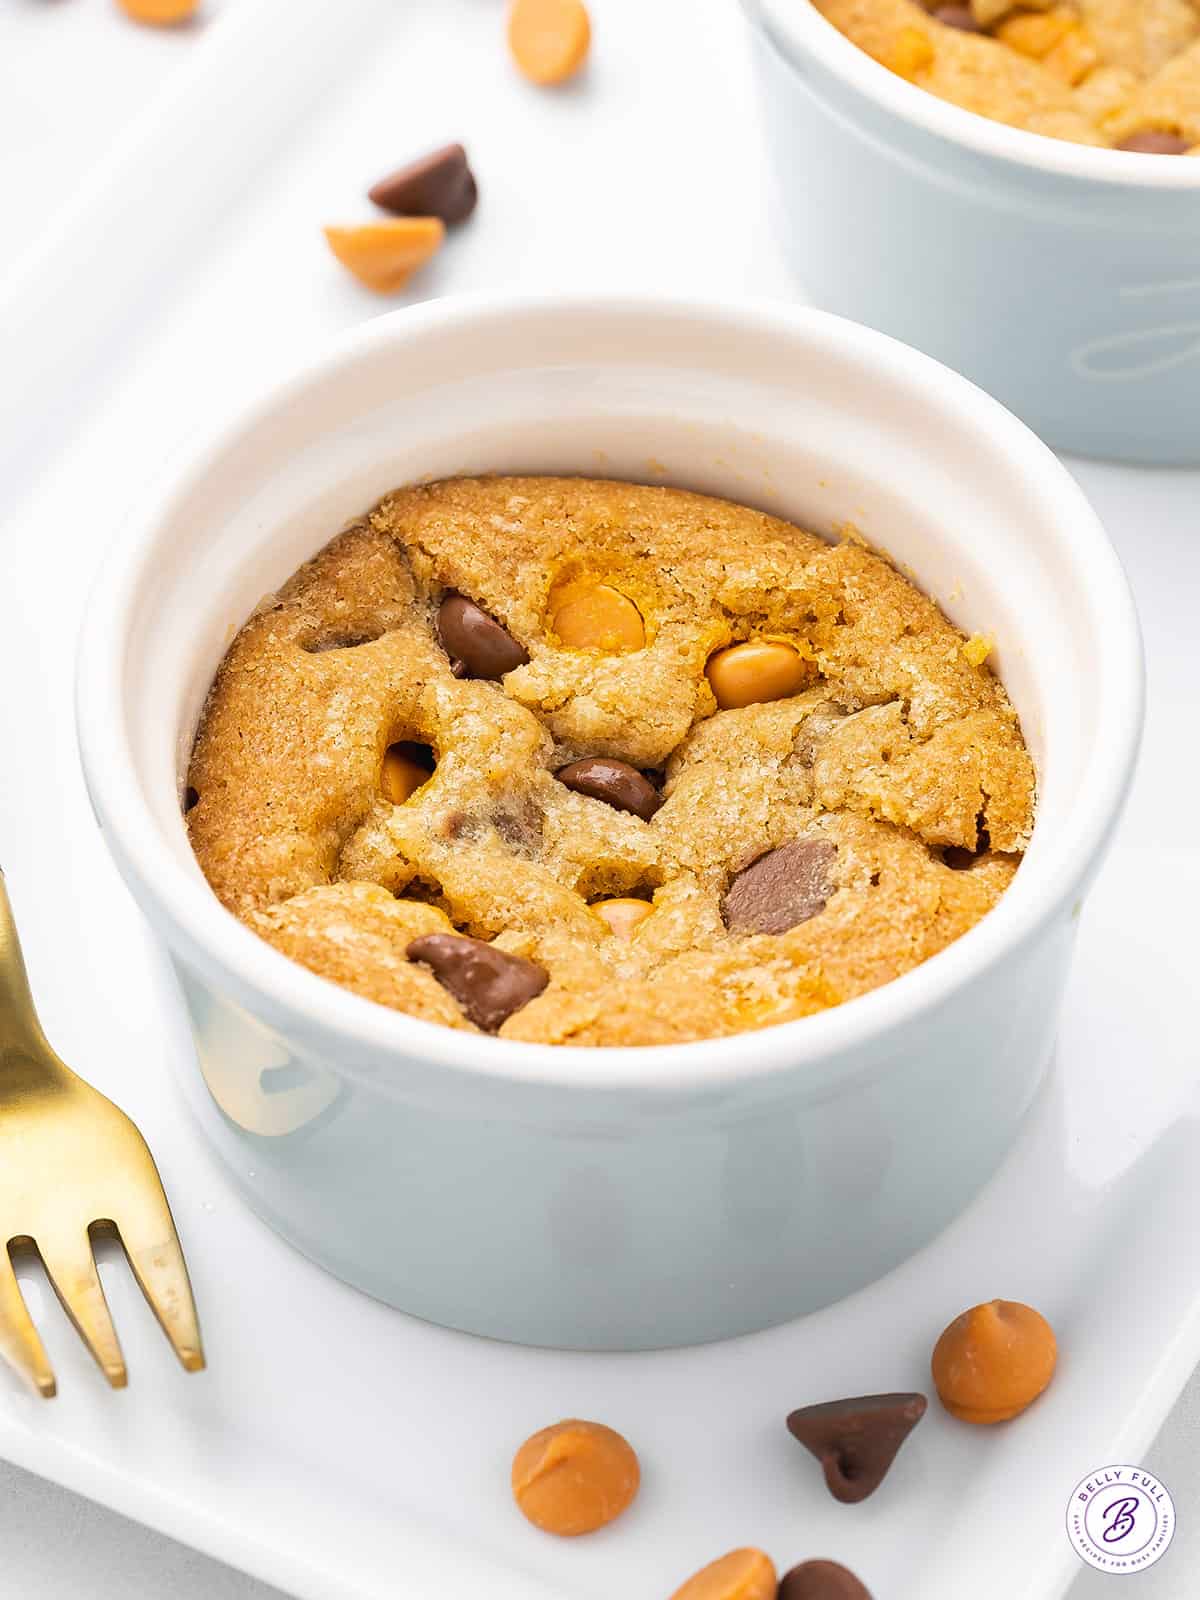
x=618, y=1198
x=1063, y=279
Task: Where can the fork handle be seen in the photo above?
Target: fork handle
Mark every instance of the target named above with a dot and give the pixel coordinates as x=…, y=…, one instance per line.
x=19, y=1025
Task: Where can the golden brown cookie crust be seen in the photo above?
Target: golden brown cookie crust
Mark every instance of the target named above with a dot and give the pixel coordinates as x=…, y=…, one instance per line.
x=900, y=747
x=1090, y=71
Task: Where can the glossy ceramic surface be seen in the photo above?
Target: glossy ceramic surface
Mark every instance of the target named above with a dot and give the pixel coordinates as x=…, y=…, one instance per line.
x=1083, y=1218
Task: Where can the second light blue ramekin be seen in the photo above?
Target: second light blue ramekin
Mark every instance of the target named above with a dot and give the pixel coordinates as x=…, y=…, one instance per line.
x=1062, y=278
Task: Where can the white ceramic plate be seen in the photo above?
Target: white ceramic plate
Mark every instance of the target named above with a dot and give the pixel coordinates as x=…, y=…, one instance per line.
x=336, y=1448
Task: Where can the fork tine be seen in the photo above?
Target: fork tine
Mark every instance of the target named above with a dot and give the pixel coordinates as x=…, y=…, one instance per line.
x=19, y=1342
x=147, y=1232
x=71, y=1267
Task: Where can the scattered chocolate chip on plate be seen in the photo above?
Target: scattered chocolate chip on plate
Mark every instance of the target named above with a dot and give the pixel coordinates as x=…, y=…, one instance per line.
x=856, y=1440
x=440, y=184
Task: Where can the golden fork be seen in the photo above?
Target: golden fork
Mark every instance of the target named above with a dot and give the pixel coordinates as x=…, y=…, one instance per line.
x=72, y=1164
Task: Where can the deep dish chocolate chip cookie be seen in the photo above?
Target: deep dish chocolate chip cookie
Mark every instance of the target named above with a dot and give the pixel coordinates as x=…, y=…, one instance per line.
x=594, y=763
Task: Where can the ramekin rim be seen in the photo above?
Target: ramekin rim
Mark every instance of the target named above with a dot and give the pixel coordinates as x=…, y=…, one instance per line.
x=250, y=966
x=808, y=32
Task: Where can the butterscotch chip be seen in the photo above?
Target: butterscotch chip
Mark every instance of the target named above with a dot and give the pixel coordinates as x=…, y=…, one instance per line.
x=598, y=617
x=911, y=53
x=160, y=13
x=993, y=1361
x=749, y=674
x=574, y=1477
x=1035, y=34
x=384, y=255
x=405, y=770
x=549, y=39
x=741, y=1575
x=1073, y=57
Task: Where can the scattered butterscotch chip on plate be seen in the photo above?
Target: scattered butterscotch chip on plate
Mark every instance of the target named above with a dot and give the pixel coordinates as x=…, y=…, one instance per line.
x=993, y=1361
x=575, y=1477
x=384, y=255
x=160, y=13
x=747, y=1574
x=549, y=39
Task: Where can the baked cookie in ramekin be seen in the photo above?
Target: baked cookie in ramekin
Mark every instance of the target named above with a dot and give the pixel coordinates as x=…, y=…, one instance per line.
x=608, y=1196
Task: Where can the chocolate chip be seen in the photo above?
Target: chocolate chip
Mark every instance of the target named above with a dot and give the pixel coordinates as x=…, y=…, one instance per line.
x=191, y=797
x=440, y=184
x=960, y=17
x=856, y=1440
x=615, y=782
x=489, y=984
x=1154, y=142
x=520, y=826
x=781, y=889
x=821, y=1580
x=476, y=642
x=458, y=825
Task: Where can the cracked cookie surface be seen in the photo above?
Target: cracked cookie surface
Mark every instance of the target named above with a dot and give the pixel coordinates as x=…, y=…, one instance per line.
x=1121, y=73
x=891, y=777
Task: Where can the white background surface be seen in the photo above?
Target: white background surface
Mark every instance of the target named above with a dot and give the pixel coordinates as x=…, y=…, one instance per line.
x=690, y=213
